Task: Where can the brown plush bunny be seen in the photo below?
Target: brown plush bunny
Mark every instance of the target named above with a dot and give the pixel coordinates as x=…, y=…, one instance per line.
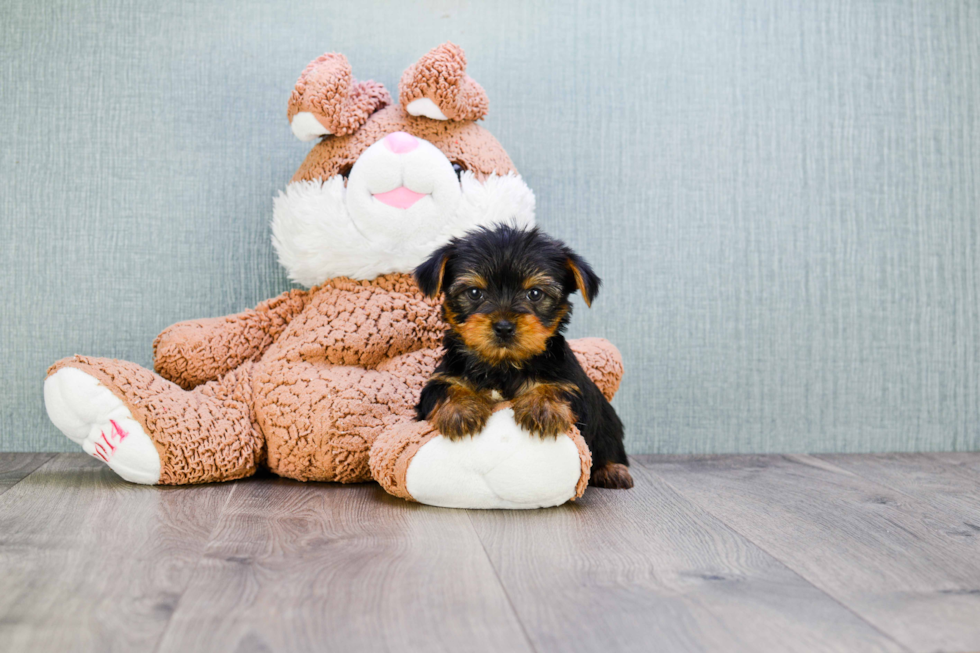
x=320, y=384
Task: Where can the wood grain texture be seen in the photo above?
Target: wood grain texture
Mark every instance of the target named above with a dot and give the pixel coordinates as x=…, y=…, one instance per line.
x=15, y=466
x=965, y=463
x=309, y=567
x=934, y=479
x=761, y=554
x=646, y=570
x=895, y=560
x=89, y=562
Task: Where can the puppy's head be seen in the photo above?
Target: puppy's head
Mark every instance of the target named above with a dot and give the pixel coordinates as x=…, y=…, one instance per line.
x=506, y=289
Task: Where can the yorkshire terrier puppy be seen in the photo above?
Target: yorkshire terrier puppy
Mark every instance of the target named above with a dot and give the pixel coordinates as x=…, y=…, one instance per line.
x=506, y=303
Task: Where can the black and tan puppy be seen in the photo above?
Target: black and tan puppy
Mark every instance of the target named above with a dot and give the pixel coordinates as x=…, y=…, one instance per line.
x=506, y=303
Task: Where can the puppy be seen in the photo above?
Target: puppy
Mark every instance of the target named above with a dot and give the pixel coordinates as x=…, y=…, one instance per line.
x=506, y=303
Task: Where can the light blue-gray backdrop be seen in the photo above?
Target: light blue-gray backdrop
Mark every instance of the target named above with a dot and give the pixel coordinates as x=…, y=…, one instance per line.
x=783, y=197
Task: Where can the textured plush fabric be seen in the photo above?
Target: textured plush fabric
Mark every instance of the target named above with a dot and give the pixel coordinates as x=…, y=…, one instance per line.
x=393, y=451
x=194, y=352
x=440, y=76
x=604, y=363
x=781, y=198
x=339, y=102
x=321, y=399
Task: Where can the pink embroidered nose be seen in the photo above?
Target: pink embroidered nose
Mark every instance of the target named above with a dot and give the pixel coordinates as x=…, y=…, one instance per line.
x=400, y=142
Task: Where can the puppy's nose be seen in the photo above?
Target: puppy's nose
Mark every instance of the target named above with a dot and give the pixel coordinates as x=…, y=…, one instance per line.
x=503, y=328
x=400, y=142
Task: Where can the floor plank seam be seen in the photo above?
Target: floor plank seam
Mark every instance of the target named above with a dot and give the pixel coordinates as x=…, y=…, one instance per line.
x=812, y=460
x=200, y=561
x=883, y=484
x=939, y=457
x=51, y=459
x=778, y=559
x=503, y=588
x=952, y=469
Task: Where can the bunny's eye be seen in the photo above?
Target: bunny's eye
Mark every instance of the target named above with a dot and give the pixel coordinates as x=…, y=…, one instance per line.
x=458, y=169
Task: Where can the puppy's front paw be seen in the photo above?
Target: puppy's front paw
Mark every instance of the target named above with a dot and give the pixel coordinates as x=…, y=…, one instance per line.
x=461, y=417
x=547, y=416
x=612, y=476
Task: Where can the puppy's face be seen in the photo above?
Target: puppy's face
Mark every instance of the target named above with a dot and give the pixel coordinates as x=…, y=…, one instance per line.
x=505, y=313
x=506, y=290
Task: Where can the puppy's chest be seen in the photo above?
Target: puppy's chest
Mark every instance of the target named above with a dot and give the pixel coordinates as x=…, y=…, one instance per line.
x=504, y=385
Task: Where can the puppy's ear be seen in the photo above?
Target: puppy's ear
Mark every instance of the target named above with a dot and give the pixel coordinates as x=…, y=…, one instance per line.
x=431, y=275
x=586, y=280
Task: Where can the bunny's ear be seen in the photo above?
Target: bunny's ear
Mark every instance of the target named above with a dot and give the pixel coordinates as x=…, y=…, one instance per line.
x=328, y=100
x=437, y=87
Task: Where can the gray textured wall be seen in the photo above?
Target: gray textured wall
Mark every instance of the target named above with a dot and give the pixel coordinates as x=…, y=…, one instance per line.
x=784, y=200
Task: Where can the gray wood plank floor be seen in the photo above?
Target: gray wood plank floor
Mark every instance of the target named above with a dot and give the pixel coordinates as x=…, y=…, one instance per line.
x=15, y=466
x=724, y=553
x=902, y=564
x=301, y=567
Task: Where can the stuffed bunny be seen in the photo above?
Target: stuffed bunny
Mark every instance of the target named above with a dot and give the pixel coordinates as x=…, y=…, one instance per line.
x=320, y=384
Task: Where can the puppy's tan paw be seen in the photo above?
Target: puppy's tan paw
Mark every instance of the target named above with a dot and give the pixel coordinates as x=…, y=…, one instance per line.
x=544, y=415
x=457, y=418
x=612, y=476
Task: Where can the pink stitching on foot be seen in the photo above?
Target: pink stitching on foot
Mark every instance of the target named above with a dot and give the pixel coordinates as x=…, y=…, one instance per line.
x=112, y=447
x=100, y=453
x=117, y=435
x=117, y=432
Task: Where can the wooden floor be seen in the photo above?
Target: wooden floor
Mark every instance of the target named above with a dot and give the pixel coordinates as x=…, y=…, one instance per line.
x=728, y=553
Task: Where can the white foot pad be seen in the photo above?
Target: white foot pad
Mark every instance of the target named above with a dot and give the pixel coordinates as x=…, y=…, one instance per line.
x=502, y=467
x=89, y=414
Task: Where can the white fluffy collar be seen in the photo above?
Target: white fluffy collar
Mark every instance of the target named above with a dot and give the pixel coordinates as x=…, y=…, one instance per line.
x=316, y=239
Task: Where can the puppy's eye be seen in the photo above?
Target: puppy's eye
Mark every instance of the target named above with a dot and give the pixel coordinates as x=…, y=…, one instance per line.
x=458, y=169
x=474, y=294
x=535, y=294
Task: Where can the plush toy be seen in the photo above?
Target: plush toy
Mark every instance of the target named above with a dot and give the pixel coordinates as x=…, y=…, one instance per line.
x=320, y=384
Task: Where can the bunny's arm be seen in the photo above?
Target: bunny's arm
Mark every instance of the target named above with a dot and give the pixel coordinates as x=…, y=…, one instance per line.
x=197, y=351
